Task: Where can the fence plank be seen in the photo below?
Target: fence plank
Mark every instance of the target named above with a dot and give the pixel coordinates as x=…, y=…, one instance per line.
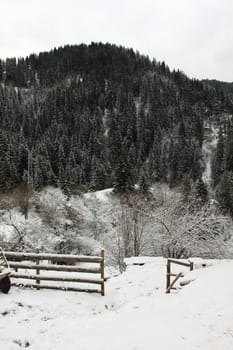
x=55, y=278
x=53, y=257
x=173, y=282
x=51, y=267
x=172, y=274
x=179, y=262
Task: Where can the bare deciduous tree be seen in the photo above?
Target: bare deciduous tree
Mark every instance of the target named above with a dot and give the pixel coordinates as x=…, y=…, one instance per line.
x=133, y=220
x=181, y=232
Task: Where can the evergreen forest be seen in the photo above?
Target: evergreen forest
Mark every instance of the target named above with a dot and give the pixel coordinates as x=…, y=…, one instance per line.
x=90, y=117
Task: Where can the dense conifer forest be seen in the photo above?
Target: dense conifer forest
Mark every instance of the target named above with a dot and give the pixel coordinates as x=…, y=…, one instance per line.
x=89, y=117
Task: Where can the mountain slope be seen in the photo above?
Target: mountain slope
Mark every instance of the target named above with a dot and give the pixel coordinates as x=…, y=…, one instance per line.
x=79, y=116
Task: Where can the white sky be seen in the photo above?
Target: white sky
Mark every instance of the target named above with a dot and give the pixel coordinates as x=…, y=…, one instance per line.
x=195, y=36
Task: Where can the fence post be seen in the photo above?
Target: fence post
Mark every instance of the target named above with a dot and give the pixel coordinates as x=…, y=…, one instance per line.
x=177, y=276
x=38, y=271
x=168, y=275
x=102, y=271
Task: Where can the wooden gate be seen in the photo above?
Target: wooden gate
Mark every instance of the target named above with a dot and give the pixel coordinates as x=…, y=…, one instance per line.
x=64, y=268
x=170, y=284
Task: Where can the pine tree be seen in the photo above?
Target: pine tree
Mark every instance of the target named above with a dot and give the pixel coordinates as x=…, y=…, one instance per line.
x=174, y=157
x=38, y=179
x=201, y=191
x=122, y=177
x=1, y=71
x=98, y=175
x=217, y=164
x=224, y=193
x=4, y=175
x=144, y=184
x=131, y=160
x=229, y=149
x=114, y=141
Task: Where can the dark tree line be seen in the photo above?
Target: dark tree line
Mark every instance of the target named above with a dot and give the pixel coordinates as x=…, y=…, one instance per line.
x=222, y=168
x=100, y=115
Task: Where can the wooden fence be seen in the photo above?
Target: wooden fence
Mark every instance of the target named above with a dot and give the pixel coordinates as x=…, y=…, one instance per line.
x=170, y=284
x=58, y=263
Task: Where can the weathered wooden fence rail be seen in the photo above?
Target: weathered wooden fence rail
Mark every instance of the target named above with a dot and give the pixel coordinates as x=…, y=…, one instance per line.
x=170, y=284
x=52, y=262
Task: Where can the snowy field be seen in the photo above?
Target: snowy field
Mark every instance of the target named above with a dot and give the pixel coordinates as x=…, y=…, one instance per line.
x=135, y=314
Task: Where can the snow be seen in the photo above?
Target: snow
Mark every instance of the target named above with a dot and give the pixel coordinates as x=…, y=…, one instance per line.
x=7, y=231
x=102, y=196
x=135, y=314
x=208, y=147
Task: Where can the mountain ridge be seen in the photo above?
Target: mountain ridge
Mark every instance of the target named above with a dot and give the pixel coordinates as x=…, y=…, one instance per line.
x=99, y=115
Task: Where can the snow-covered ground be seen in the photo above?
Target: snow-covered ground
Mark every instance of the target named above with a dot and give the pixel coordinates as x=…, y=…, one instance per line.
x=135, y=314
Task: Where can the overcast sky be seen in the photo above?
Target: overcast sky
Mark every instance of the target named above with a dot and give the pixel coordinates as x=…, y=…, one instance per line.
x=195, y=36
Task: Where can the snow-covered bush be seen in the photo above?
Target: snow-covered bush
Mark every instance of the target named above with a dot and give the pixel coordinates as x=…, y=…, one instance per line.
x=180, y=231
x=160, y=223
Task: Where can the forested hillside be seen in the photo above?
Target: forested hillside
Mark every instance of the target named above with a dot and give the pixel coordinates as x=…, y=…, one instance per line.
x=98, y=116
